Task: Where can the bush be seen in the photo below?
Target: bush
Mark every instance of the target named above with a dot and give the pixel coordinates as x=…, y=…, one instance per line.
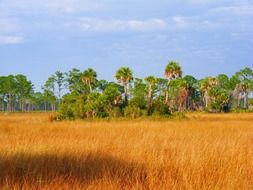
x=160, y=109
x=72, y=107
x=251, y=104
x=94, y=106
x=132, y=111
x=240, y=110
x=66, y=108
x=114, y=112
x=219, y=99
x=78, y=107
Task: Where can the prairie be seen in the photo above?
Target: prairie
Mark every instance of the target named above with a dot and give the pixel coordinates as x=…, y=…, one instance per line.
x=201, y=152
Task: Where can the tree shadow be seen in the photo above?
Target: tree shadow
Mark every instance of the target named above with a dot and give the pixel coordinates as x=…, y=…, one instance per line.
x=83, y=169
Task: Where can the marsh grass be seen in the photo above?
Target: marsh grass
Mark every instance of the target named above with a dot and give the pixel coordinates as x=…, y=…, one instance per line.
x=204, y=151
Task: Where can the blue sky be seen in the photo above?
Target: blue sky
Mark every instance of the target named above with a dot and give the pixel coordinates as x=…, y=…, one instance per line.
x=208, y=37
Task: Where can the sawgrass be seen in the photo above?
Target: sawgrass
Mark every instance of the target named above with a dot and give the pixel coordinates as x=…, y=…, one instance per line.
x=204, y=151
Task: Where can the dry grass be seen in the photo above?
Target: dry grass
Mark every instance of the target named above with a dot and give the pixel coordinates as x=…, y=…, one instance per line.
x=202, y=152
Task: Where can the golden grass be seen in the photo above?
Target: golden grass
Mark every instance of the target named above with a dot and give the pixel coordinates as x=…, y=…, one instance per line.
x=202, y=152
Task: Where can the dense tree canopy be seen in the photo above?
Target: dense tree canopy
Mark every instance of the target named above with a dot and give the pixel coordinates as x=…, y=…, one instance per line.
x=78, y=94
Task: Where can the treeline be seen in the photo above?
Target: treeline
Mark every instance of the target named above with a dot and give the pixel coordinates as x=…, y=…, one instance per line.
x=78, y=94
x=17, y=93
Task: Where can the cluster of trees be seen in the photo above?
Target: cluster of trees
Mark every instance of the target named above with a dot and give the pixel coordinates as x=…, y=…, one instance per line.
x=78, y=94
x=152, y=96
x=17, y=93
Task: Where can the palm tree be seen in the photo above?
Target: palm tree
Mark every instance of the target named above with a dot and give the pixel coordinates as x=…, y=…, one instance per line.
x=89, y=77
x=172, y=71
x=245, y=89
x=124, y=75
x=192, y=91
x=236, y=94
x=151, y=81
x=182, y=93
x=205, y=85
x=245, y=77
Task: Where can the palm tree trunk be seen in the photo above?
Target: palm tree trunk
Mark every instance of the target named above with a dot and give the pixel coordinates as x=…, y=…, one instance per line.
x=246, y=100
x=149, y=101
x=125, y=92
x=238, y=101
x=186, y=100
x=166, y=97
x=90, y=87
x=9, y=103
x=206, y=97
x=4, y=107
x=2, y=103
x=53, y=107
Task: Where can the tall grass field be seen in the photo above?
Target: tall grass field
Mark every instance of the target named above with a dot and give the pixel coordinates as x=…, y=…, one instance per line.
x=201, y=152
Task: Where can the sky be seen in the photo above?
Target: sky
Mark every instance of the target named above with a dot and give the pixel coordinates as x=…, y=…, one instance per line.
x=207, y=37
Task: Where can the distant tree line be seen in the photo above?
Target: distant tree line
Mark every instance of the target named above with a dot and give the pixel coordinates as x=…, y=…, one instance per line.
x=78, y=94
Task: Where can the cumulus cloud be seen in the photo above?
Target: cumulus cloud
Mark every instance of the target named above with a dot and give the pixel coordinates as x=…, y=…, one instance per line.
x=5, y=40
x=54, y=6
x=199, y=1
x=212, y=2
x=75, y=17
x=192, y=23
x=114, y=25
x=180, y=21
x=9, y=30
x=243, y=10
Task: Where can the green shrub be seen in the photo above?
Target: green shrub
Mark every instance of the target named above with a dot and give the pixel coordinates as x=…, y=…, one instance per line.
x=114, y=112
x=132, y=111
x=240, y=110
x=94, y=106
x=66, y=108
x=219, y=99
x=159, y=108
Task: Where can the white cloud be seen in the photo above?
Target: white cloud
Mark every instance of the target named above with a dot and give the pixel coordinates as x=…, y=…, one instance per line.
x=11, y=40
x=199, y=1
x=192, y=23
x=213, y=2
x=73, y=6
x=78, y=17
x=245, y=10
x=113, y=25
x=9, y=30
x=180, y=21
x=54, y=6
